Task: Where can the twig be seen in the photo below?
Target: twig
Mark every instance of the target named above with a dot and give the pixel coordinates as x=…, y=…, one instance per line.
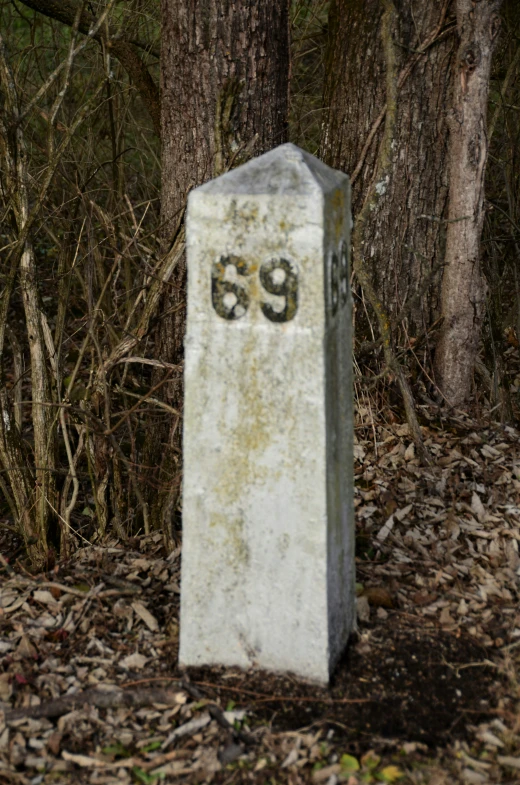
x=260, y=695
x=141, y=400
x=156, y=402
x=511, y=71
x=102, y=699
x=218, y=715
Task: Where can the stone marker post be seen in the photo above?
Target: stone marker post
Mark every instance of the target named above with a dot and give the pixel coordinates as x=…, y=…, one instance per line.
x=268, y=543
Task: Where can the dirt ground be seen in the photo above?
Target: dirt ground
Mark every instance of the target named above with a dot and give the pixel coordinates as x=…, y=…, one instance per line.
x=427, y=691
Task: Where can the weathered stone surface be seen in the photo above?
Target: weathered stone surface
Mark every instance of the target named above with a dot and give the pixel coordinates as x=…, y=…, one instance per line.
x=268, y=543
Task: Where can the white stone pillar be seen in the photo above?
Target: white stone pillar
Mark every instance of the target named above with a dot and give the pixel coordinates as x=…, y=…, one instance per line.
x=268, y=524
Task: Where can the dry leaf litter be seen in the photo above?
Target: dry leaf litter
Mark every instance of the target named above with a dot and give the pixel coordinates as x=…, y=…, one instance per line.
x=427, y=692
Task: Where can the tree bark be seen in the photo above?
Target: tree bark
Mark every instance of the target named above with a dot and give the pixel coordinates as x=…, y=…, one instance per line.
x=403, y=233
x=224, y=88
x=463, y=286
x=224, y=82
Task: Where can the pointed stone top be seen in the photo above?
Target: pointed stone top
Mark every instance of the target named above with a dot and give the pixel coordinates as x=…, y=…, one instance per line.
x=286, y=170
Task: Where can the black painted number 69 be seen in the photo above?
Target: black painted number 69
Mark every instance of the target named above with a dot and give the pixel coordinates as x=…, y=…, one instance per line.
x=278, y=277
x=231, y=299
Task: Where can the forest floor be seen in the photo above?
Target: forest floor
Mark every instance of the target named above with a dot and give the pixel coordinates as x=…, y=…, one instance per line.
x=427, y=692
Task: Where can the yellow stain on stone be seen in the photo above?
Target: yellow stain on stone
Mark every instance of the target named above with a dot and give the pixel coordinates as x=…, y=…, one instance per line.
x=241, y=217
x=236, y=548
x=260, y=417
x=253, y=431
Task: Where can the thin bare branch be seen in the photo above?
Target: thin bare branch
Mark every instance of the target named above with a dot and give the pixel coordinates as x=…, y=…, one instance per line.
x=65, y=11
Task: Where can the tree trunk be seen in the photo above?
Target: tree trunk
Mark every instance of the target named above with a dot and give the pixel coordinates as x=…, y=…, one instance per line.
x=402, y=247
x=463, y=288
x=224, y=84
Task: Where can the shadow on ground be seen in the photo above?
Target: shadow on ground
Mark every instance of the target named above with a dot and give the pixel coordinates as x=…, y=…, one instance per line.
x=392, y=684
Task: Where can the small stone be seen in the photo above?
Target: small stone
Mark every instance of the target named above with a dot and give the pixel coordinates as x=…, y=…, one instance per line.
x=462, y=608
x=230, y=753
x=445, y=618
x=363, y=609
x=379, y=597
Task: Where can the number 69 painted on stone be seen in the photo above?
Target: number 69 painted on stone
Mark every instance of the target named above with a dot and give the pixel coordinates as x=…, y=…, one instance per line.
x=231, y=299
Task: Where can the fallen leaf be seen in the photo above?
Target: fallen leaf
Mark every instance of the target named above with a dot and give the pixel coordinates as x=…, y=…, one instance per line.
x=6, y=688
x=508, y=760
x=291, y=758
x=236, y=715
x=25, y=649
x=145, y=615
x=423, y=598
x=189, y=728
x=45, y=597
x=390, y=774
x=477, y=507
x=322, y=775
x=349, y=764
x=489, y=738
x=386, y=529
x=409, y=453
x=402, y=513
x=84, y=761
x=135, y=660
x=474, y=777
